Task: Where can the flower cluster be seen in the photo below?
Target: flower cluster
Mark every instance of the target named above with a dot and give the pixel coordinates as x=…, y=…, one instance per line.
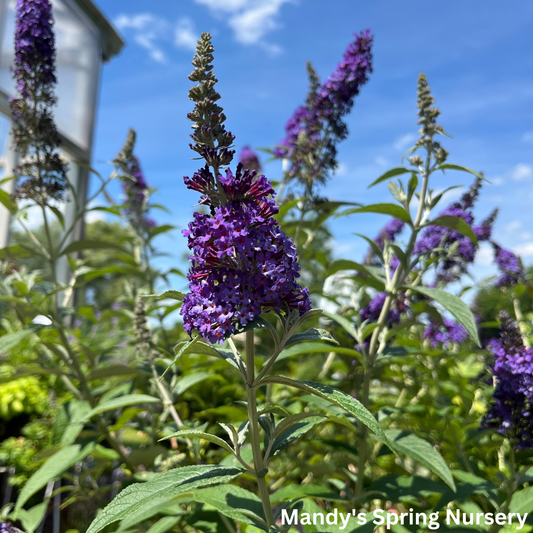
x=509, y=265
x=134, y=186
x=41, y=176
x=315, y=128
x=446, y=333
x=512, y=410
x=6, y=528
x=249, y=159
x=242, y=262
x=388, y=233
x=373, y=310
x=459, y=250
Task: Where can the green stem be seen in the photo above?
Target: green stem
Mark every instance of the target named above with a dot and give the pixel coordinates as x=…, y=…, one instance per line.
x=254, y=430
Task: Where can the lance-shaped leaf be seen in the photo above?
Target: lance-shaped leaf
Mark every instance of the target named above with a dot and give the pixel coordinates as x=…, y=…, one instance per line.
x=292, y=428
x=456, y=224
x=170, y=294
x=186, y=382
x=118, y=403
x=338, y=398
x=234, y=502
x=394, y=210
x=522, y=501
x=421, y=451
x=392, y=173
x=455, y=306
x=82, y=245
x=451, y=166
x=194, y=434
x=173, y=483
x=312, y=334
x=196, y=346
x=60, y=462
x=301, y=491
x=343, y=322
x=13, y=339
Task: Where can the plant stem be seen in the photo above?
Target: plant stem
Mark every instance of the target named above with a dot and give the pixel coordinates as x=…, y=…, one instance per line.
x=254, y=430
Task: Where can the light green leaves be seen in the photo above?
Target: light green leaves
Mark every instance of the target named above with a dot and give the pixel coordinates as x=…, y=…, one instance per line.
x=313, y=334
x=455, y=306
x=421, y=451
x=60, y=462
x=394, y=210
x=13, y=339
x=392, y=173
x=118, y=403
x=194, y=434
x=172, y=483
x=454, y=223
x=522, y=501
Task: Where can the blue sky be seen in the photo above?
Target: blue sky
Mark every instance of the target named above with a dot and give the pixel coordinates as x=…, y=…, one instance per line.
x=477, y=56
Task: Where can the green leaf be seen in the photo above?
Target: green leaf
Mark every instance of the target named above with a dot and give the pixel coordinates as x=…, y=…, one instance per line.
x=336, y=397
x=13, y=339
x=316, y=347
x=312, y=334
x=421, y=451
x=522, y=501
x=171, y=294
x=456, y=224
x=173, y=483
x=5, y=200
x=76, y=412
x=293, y=429
x=194, y=434
x=343, y=322
x=377, y=250
x=197, y=347
x=59, y=215
x=235, y=502
x=455, y=306
x=164, y=524
x=189, y=380
x=79, y=246
x=394, y=210
x=118, y=403
x=117, y=370
x=18, y=251
x=345, y=264
x=300, y=491
x=398, y=171
x=449, y=166
x=60, y=462
x=31, y=518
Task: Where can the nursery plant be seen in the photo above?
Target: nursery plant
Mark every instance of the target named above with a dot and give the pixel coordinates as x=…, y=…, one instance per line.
x=394, y=408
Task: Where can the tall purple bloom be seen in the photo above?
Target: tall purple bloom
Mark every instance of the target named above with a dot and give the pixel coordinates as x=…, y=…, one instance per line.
x=242, y=263
x=315, y=128
x=134, y=186
x=42, y=175
x=459, y=250
x=249, y=159
x=6, y=528
x=372, y=311
x=512, y=410
x=509, y=265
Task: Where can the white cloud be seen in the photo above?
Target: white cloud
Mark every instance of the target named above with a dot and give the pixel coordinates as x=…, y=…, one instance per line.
x=381, y=161
x=151, y=32
x=250, y=20
x=528, y=137
x=513, y=225
x=521, y=172
x=401, y=143
x=485, y=254
x=497, y=181
x=524, y=250
x=185, y=35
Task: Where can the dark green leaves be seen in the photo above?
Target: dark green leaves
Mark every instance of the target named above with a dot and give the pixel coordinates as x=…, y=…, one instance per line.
x=172, y=483
x=423, y=452
x=313, y=334
x=455, y=306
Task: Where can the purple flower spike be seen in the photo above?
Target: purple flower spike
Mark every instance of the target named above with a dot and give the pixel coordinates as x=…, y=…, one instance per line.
x=509, y=265
x=447, y=333
x=250, y=159
x=512, y=409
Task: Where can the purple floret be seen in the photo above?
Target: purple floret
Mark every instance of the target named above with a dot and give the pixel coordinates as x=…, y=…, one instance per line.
x=447, y=333
x=512, y=410
x=509, y=265
x=249, y=159
x=242, y=262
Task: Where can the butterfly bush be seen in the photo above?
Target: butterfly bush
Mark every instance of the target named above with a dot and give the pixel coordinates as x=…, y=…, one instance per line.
x=446, y=333
x=317, y=127
x=134, y=185
x=6, y=528
x=512, y=410
x=509, y=265
x=42, y=175
x=242, y=263
x=461, y=250
x=249, y=159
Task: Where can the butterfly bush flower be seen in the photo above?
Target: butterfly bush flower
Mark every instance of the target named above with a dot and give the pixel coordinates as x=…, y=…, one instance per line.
x=315, y=128
x=512, y=410
x=446, y=333
x=42, y=175
x=242, y=263
x=461, y=251
x=134, y=186
x=510, y=267
x=6, y=528
x=249, y=159
x=372, y=311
